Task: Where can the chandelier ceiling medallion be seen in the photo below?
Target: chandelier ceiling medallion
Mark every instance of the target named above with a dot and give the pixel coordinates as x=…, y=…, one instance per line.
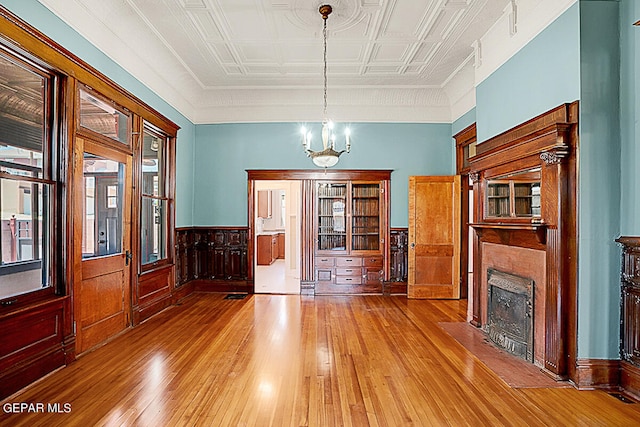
x=328, y=156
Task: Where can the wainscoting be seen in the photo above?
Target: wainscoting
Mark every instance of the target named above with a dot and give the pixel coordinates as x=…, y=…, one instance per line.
x=215, y=259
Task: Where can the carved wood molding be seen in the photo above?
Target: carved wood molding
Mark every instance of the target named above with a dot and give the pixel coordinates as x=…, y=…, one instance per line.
x=553, y=157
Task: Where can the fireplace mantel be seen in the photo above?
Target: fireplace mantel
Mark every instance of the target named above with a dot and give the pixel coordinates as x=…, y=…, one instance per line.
x=548, y=145
x=524, y=235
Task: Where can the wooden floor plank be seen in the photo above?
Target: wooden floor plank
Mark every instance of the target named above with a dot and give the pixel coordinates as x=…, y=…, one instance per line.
x=271, y=360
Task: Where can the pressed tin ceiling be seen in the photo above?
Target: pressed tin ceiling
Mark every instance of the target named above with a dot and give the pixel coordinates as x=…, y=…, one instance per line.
x=261, y=60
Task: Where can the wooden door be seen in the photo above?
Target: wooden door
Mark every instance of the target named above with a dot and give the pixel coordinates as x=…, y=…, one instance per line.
x=434, y=237
x=102, y=222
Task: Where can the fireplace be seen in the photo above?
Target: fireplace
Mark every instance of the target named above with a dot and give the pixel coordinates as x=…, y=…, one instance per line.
x=510, y=313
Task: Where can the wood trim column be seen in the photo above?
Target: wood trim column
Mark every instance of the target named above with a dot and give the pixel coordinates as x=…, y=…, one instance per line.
x=477, y=253
x=554, y=177
x=307, y=281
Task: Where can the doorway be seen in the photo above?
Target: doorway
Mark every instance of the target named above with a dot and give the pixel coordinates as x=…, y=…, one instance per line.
x=277, y=240
x=102, y=221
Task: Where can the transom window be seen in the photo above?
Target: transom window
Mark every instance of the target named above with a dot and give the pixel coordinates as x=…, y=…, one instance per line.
x=104, y=117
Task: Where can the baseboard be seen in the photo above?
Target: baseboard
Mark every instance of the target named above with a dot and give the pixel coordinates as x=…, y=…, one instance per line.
x=394, y=288
x=206, y=285
x=600, y=374
x=182, y=291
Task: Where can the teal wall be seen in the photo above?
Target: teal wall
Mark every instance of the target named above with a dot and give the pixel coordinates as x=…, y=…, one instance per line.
x=41, y=18
x=463, y=121
x=599, y=181
x=576, y=58
x=542, y=75
x=224, y=152
x=630, y=123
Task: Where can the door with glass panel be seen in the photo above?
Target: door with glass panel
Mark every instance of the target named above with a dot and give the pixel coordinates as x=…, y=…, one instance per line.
x=102, y=224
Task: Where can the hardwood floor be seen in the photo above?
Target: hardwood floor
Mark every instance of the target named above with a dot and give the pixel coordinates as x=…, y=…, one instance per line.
x=285, y=360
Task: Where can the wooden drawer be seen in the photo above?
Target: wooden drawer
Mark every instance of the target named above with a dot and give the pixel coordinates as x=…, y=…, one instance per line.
x=372, y=261
x=348, y=280
x=344, y=271
x=324, y=275
x=325, y=261
x=349, y=262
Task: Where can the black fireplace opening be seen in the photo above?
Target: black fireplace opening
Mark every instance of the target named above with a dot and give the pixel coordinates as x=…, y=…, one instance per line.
x=510, y=313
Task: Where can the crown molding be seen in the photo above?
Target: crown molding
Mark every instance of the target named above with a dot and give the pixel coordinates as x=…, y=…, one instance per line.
x=521, y=22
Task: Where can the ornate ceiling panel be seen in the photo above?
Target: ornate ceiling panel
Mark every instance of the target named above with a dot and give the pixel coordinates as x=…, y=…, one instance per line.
x=199, y=55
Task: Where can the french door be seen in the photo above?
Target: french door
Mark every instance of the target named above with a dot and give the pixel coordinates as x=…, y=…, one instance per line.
x=102, y=228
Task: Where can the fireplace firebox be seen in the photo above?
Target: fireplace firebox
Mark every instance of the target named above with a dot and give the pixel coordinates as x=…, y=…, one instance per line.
x=510, y=313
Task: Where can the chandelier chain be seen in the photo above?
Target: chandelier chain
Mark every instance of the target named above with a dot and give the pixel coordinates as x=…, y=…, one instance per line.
x=324, y=36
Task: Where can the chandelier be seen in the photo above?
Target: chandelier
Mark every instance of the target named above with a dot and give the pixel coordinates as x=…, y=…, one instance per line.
x=328, y=156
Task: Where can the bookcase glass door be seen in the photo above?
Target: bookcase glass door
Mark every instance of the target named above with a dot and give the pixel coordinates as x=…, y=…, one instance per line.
x=365, y=217
x=332, y=220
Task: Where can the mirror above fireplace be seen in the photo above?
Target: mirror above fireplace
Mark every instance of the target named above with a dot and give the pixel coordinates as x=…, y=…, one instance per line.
x=515, y=195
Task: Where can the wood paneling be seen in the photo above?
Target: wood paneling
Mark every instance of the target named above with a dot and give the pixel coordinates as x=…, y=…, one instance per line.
x=154, y=293
x=31, y=344
x=213, y=258
x=630, y=314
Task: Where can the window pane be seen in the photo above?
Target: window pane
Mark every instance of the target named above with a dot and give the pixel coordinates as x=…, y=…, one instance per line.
x=153, y=148
x=103, y=189
x=103, y=118
x=24, y=225
x=153, y=233
x=22, y=115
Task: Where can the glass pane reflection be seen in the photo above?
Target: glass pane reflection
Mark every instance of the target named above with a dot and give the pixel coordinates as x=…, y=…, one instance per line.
x=153, y=233
x=103, y=192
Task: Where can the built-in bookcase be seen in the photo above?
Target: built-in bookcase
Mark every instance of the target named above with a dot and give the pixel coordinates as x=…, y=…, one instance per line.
x=351, y=228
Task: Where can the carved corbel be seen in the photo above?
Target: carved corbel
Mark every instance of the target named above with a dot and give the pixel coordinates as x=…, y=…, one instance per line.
x=556, y=155
x=474, y=177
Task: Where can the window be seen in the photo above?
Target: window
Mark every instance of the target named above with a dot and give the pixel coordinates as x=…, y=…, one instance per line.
x=101, y=117
x=155, y=200
x=27, y=183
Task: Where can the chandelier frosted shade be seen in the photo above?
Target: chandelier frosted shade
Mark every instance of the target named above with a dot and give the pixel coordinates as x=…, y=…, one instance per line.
x=328, y=156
